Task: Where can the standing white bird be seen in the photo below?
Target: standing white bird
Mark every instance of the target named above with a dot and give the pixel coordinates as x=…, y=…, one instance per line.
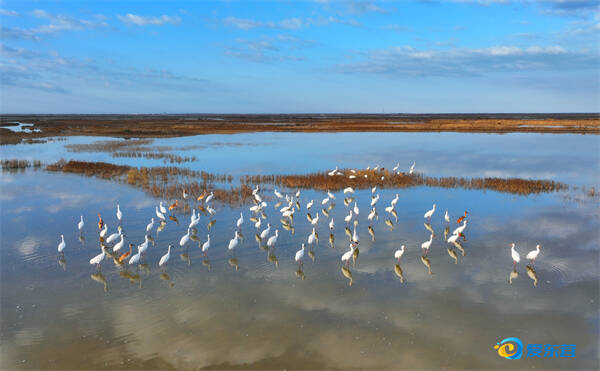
x=160, y=214
x=330, y=195
x=412, y=168
x=355, y=209
x=185, y=238
x=135, y=258
x=162, y=208
x=119, y=213
x=80, y=224
x=453, y=238
x=315, y=220
x=514, y=254
x=104, y=230
x=98, y=258
x=398, y=254
x=165, y=258
x=425, y=245
x=309, y=205
x=461, y=228
x=348, y=254
x=348, y=190
x=277, y=194
x=372, y=214
x=447, y=217
x=325, y=200
x=429, y=213
x=266, y=231
x=206, y=245
x=299, y=255
x=298, y=193
x=374, y=189
x=62, y=244
x=374, y=200
x=114, y=236
x=532, y=255
x=184, y=194
x=233, y=242
x=258, y=223
x=355, y=236
x=273, y=239
x=119, y=244
x=331, y=224
x=240, y=220
x=333, y=172
x=395, y=168
x=312, y=237
x=394, y=201
x=348, y=217
x=150, y=225
x=210, y=197
x=144, y=246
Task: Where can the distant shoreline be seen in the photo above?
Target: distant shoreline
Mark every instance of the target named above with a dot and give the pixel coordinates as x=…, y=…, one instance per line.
x=160, y=126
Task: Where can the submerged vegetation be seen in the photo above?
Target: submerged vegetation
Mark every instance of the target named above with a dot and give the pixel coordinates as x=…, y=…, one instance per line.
x=14, y=164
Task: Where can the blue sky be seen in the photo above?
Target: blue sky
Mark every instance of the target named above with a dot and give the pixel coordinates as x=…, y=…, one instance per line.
x=300, y=56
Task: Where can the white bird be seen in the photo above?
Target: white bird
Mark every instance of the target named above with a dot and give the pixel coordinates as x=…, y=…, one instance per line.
x=389, y=209
x=374, y=200
x=453, y=238
x=114, y=236
x=309, y=205
x=183, y=194
x=288, y=213
x=348, y=190
x=206, y=245
x=258, y=198
x=330, y=195
x=514, y=254
x=195, y=220
x=80, y=224
x=374, y=189
x=233, y=242
x=165, y=258
x=398, y=254
x=395, y=168
x=348, y=254
x=298, y=194
x=372, y=214
x=104, y=230
x=210, y=210
x=333, y=172
x=266, y=231
x=461, y=228
x=150, y=225
x=325, y=200
x=240, y=220
x=62, y=244
x=144, y=246
x=119, y=244
x=355, y=209
x=331, y=224
x=277, y=194
x=348, y=217
x=273, y=239
x=119, y=213
x=299, y=254
x=425, y=245
x=185, y=238
x=162, y=208
x=412, y=168
x=135, y=258
x=315, y=220
x=447, y=217
x=394, y=201
x=210, y=197
x=533, y=254
x=258, y=223
x=98, y=258
x=352, y=176
x=312, y=237
x=355, y=236
x=429, y=213
x=160, y=214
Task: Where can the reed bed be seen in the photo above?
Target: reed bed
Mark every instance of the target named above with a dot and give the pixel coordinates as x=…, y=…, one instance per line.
x=166, y=157
x=14, y=164
x=108, y=145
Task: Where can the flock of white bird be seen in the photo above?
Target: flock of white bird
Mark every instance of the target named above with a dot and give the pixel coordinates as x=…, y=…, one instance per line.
x=292, y=203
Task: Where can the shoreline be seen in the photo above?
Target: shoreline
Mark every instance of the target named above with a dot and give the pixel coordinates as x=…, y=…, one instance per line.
x=162, y=126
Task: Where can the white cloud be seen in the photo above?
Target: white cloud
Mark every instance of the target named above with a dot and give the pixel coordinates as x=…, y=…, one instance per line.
x=138, y=20
x=9, y=13
x=293, y=23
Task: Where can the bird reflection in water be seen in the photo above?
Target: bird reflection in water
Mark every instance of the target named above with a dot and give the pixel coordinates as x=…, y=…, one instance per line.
x=427, y=263
x=428, y=227
x=311, y=253
x=389, y=223
x=234, y=263
x=395, y=214
x=174, y=218
x=346, y=272
x=160, y=227
x=300, y=273
x=62, y=262
x=532, y=274
x=349, y=233
x=186, y=257
x=446, y=231
x=272, y=258
x=513, y=276
x=81, y=239
x=355, y=256
x=167, y=278
x=331, y=240
x=399, y=273
x=99, y=277
x=460, y=247
x=453, y=255
x=210, y=224
x=372, y=233
x=133, y=278
x=206, y=263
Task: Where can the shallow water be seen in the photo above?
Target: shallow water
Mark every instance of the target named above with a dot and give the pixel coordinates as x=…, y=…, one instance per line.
x=253, y=309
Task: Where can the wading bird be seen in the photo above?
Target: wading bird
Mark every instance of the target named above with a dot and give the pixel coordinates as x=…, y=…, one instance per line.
x=98, y=258
x=125, y=254
x=425, y=245
x=81, y=224
x=273, y=239
x=119, y=213
x=459, y=220
x=233, y=242
x=514, y=254
x=119, y=244
x=533, y=254
x=165, y=258
x=429, y=213
x=299, y=255
x=206, y=245
x=398, y=254
x=62, y=244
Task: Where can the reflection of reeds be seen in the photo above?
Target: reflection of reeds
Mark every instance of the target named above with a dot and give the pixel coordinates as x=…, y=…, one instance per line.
x=100, y=169
x=14, y=164
x=166, y=157
x=323, y=181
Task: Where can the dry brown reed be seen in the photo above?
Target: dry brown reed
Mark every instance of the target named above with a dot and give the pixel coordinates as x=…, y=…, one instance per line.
x=166, y=157
x=14, y=164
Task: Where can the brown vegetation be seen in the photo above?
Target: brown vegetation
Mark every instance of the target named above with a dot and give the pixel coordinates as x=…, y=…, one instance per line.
x=155, y=126
x=14, y=164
